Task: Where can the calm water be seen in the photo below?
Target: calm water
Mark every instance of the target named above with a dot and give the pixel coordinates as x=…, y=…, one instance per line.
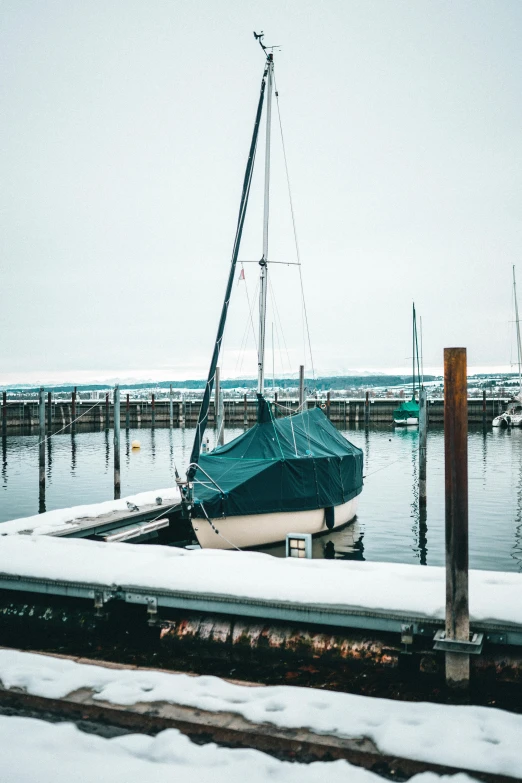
x=388, y=526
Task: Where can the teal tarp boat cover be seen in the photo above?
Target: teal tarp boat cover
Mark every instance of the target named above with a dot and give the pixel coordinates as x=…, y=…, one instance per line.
x=296, y=463
x=407, y=410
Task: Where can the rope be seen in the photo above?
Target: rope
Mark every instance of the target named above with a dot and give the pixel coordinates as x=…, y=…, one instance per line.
x=214, y=528
x=383, y=467
x=70, y=424
x=294, y=229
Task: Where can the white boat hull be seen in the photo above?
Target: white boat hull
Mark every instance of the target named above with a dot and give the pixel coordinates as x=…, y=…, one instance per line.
x=261, y=529
x=406, y=422
x=508, y=420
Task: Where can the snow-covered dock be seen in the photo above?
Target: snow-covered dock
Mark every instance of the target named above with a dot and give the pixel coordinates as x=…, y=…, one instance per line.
x=375, y=733
x=96, y=518
x=375, y=596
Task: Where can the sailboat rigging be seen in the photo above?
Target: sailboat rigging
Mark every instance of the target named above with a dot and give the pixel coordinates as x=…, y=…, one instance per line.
x=512, y=416
x=293, y=474
x=408, y=412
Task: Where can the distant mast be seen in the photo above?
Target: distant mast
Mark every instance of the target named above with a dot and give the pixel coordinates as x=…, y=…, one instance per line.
x=519, y=346
x=263, y=264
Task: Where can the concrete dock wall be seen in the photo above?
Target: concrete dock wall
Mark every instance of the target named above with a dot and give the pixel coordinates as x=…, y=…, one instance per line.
x=342, y=412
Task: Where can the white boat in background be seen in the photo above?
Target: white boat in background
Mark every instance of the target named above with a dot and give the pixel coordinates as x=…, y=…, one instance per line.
x=512, y=416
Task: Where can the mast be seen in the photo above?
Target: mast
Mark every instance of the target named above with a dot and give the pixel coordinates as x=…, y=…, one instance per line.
x=203, y=413
x=519, y=346
x=263, y=281
x=413, y=351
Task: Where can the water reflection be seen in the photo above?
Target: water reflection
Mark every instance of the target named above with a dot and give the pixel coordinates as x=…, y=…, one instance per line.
x=107, y=449
x=4, y=461
x=73, y=453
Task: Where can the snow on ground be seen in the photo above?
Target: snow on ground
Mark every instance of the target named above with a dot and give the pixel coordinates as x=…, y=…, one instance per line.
x=389, y=587
x=51, y=521
x=33, y=751
x=477, y=738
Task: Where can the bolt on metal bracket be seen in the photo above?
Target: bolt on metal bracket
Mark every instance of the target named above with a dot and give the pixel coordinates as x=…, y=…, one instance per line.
x=406, y=636
x=471, y=647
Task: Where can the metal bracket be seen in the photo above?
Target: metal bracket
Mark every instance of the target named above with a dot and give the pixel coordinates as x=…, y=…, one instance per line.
x=406, y=637
x=471, y=647
x=150, y=601
x=100, y=599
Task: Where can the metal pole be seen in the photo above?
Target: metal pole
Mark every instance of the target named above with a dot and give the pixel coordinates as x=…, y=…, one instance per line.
x=301, y=386
x=367, y=410
x=41, y=444
x=263, y=280
x=423, y=431
x=456, y=479
x=153, y=411
x=218, y=409
x=4, y=414
x=73, y=408
x=117, y=482
x=127, y=412
x=107, y=414
x=49, y=412
x=171, y=408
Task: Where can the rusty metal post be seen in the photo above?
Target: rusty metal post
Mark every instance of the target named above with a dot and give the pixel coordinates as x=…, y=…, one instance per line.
x=301, y=387
x=367, y=410
x=127, y=413
x=245, y=411
x=153, y=411
x=107, y=414
x=327, y=405
x=484, y=419
x=4, y=414
x=41, y=445
x=456, y=479
x=117, y=480
x=73, y=409
x=171, y=408
x=423, y=432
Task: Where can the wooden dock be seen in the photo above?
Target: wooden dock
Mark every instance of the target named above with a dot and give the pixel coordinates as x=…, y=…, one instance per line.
x=23, y=415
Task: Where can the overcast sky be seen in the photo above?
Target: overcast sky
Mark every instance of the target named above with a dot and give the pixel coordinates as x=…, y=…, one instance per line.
x=124, y=135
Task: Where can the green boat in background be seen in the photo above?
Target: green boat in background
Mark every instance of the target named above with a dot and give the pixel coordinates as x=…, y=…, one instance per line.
x=407, y=414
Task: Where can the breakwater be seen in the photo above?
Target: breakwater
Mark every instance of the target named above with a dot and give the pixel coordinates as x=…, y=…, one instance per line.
x=24, y=414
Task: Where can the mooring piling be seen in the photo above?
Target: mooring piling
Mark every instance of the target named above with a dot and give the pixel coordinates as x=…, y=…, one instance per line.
x=245, y=411
x=153, y=410
x=73, y=409
x=171, y=408
x=484, y=418
x=423, y=433
x=41, y=445
x=49, y=412
x=301, y=387
x=117, y=483
x=127, y=412
x=107, y=413
x=4, y=414
x=218, y=409
x=456, y=484
x=367, y=410
x=328, y=405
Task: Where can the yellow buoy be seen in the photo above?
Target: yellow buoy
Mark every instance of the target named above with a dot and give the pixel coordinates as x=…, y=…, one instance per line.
x=136, y=444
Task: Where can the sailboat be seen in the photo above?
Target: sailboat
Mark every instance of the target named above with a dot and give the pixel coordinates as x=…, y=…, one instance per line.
x=284, y=475
x=407, y=414
x=512, y=416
